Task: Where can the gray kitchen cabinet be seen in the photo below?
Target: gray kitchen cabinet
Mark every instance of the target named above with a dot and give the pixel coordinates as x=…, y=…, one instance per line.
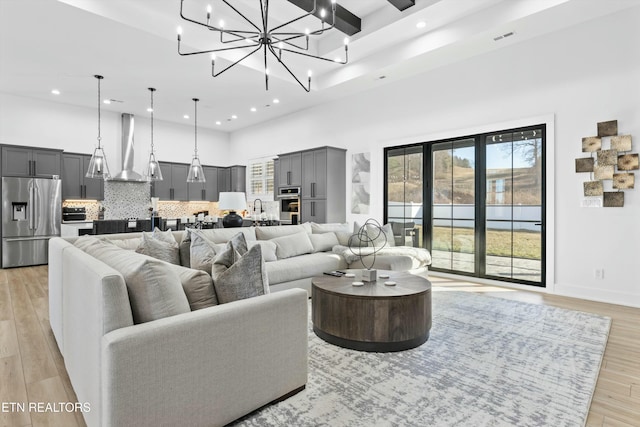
x=290, y=170
x=74, y=183
x=224, y=180
x=238, y=178
x=206, y=191
x=315, y=211
x=323, y=190
x=174, y=183
x=314, y=174
x=30, y=162
x=211, y=186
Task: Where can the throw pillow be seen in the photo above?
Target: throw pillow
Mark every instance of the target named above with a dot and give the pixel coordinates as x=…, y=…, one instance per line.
x=184, y=248
x=268, y=233
x=238, y=277
x=323, y=242
x=268, y=249
x=326, y=228
x=159, y=249
x=128, y=244
x=293, y=245
x=378, y=236
x=197, y=286
x=154, y=288
x=164, y=236
x=202, y=251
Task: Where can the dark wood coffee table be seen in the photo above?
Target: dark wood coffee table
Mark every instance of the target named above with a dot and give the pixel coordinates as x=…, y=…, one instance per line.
x=373, y=317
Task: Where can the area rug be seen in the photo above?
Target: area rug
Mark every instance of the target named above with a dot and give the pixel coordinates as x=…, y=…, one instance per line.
x=489, y=362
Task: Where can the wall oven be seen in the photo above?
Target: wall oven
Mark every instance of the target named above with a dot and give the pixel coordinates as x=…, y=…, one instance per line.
x=289, y=198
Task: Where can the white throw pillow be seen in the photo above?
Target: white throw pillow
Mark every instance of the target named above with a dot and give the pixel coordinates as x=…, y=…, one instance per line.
x=293, y=245
x=268, y=249
x=268, y=233
x=323, y=242
x=154, y=288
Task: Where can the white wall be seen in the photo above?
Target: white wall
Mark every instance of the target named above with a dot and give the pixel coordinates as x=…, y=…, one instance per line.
x=570, y=79
x=28, y=121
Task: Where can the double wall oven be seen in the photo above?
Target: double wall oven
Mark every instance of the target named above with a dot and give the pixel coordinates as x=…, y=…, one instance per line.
x=289, y=198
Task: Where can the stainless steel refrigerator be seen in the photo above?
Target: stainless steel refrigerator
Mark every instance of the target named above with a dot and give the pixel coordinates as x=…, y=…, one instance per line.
x=31, y=214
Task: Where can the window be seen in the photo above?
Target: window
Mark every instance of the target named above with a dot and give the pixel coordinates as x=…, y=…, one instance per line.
x=484, y=202
x=260, y=177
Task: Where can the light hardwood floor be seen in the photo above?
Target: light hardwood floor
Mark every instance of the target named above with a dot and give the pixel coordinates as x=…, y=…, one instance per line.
x=32, y=369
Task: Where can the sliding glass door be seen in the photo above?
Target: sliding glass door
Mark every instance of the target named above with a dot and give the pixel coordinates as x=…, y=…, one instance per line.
x=513, y=202
x=477, y=203
x=453, y=199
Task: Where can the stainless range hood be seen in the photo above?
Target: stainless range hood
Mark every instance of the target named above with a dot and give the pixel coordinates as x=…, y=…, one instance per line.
x=127, y=173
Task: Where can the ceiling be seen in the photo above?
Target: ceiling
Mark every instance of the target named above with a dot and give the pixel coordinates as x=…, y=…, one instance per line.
x=61, y=44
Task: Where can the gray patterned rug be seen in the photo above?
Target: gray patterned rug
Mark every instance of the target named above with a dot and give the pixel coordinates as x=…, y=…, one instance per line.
x=488, y=362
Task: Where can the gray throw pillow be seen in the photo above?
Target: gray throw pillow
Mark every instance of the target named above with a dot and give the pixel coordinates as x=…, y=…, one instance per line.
x=324, y=242
x=237, y=277
x=293, y=245
x=154, y=288
x=184, y=248
x=202, y=251
x=378, y=236
x=159, y=249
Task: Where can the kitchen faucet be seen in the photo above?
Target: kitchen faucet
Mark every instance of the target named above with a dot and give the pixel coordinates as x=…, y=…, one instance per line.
x=254, y=206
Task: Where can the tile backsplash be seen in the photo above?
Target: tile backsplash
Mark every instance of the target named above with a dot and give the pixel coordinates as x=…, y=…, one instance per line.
x=126, y=200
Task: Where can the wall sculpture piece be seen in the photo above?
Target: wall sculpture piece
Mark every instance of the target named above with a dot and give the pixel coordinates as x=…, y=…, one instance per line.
x=609, y=169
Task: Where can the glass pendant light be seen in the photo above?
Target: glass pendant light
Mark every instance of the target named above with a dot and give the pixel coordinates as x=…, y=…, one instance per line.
x=98, y=167
x=196, y=173
x=152, y=171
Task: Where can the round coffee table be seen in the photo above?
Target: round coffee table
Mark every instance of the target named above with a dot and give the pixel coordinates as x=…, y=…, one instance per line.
x=372, y=317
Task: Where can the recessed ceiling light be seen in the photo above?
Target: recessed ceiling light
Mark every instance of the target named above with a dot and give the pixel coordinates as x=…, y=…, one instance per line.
x=107, y=101
x=218, y=123
x=234, y=117
x=253, y=109
x=149, y=110
x=186, y=116
x=55, y=91
x=276, y=101
x=421, y=24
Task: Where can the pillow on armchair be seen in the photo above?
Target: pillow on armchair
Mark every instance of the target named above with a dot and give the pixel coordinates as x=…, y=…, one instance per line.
x=239, y=273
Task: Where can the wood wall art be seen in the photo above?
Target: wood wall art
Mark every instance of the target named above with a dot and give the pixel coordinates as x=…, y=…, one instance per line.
x=610, y=167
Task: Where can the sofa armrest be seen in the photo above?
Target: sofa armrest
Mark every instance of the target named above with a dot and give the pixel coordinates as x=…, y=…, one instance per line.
x=207, y=367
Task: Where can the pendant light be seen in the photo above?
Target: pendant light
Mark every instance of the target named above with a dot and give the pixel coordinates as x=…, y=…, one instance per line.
x=98, y=167
x=152, y=171
x=196, y=173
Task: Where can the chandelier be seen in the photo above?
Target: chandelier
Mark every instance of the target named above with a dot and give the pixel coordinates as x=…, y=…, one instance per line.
x=275, y=40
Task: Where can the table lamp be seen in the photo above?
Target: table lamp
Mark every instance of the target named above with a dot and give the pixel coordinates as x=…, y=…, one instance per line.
x=232, y=202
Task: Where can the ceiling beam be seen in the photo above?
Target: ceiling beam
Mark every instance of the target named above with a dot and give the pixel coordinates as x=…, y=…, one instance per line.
x=346, y=21
x=402, y=4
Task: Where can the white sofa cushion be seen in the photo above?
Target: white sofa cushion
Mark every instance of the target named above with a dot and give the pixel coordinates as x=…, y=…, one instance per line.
x=303, y=267
x=154, y=288
x=268, y=249
x=128, y=244
x=323, y=242
x=326, y=228
x=293, y=245
x=223, y=235
x=268, y=233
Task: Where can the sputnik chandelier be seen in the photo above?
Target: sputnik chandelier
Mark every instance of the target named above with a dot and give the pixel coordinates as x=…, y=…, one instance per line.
x=275, y=40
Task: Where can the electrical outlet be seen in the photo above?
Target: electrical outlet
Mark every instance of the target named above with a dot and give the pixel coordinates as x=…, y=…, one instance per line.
x=599, y=273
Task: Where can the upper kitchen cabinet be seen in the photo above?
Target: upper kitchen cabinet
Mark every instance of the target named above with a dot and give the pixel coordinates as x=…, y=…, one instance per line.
x=74, y=183
x=174, y=183
x=238, y=178
x=290, y=170
x=224, y=181
x=208, y=190
x=30, y=162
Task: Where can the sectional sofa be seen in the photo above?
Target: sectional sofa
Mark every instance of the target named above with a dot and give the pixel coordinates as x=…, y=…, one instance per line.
x=204, y=367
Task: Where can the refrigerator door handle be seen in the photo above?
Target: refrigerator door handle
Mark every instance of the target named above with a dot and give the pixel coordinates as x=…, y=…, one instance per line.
x=36, y=206
x=30, y=206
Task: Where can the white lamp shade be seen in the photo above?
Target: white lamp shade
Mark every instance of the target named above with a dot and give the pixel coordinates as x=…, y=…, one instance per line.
x=232, y=201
